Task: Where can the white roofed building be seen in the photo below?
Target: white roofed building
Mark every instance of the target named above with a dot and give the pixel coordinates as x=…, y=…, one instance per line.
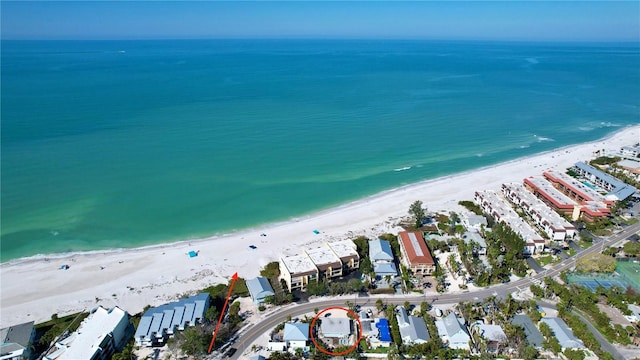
x=100, y=335
x=453, y=332
x=346, y=250
x=413, y=330
x=326, y=261
x=297, y=271
x=16, y=341
x=552, y=224
x=296, y=335
x=381, y=258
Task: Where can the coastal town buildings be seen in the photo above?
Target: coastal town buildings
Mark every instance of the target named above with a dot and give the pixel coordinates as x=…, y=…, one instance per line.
x=559, y=201
x=337, y=328
x=100, y=335
x=495, y=206
x=159, y=323
x=632, y=151
x=415, y=254
x=472, y=237
x=259, y=289
x=381, y=258
x=297, y=271
x=473, y=222
x=617, y=190
x=16, y=341
x=552, y=224
x=413, y=330
x=631, y=166
x=453, y=333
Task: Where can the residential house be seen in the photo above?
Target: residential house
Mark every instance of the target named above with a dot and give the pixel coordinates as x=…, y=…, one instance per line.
x=475, y=222
x=381, y=258
x=415, y=254
x=259, y=288
x=384, y=334
x=534, y=337
x=336, y=327
x=635, y=313
x=100, y=335
x=563, y=333
x=493, y=335
x=413, y=330
x=297, y=271
x=296, y=335
x=16, y=341
x=480, y=246
x=453, y=333
x=159, y=323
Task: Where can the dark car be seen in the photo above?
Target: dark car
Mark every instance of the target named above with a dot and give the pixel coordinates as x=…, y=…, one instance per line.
x=230, y=352
x=327, y=314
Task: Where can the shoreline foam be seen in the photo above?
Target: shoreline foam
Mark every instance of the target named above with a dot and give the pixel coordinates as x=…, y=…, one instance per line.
x=153, y=274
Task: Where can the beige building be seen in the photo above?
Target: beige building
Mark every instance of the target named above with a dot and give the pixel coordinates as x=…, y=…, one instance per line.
x=415, y=254
x=297, y=271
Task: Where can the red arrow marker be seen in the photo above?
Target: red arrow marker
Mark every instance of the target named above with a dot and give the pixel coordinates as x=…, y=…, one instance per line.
x=226, y=301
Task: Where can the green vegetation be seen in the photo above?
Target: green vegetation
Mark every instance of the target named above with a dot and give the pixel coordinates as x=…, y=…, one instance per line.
x=631, y=248
x=417, y=212
x=50, y=330
x=604, y=160
x=545, y=260
x=471, y=206
x=271, y=270
x=596, y=263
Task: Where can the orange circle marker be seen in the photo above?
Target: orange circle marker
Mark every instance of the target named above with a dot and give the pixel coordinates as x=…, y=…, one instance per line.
x=313, y=339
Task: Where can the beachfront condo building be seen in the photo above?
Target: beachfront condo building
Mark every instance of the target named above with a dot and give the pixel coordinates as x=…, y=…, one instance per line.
x=330, y=261
x=617, y=190
x=552, y=224
x=415, y=254
x=346, y=250
x=568, y=196
x=297, y=271
x=495, y=206
x=100, y=335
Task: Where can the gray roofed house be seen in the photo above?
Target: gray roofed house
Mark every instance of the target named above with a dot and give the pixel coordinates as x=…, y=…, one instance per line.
x=381, y=258
x=493, y=334
x=335, y=327
x=259, y=288
x=563, y=333
x=534, y=337
x=452, y=331
x=16, y=340
x=473, y=221
x=158, y=323
x=470, y=236
x=413, y=330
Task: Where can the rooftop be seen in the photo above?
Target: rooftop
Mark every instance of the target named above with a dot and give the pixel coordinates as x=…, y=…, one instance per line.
x=344, y=248
x=534, y=337
x=575, y=185
x=323, y=256
x=380, y=250
x=296, y=332
x=259, y=287
x=299, y=264
x=15, y=337
x=492, y=332
x=335, y=327
x=470, y=236
x=550, y=192
x=563, y=333
x=415, y=247
x=537, y=207
x=619, y=189
x=411, y=327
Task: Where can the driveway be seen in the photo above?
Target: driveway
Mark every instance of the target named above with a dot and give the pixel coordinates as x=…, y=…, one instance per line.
x=534, y=265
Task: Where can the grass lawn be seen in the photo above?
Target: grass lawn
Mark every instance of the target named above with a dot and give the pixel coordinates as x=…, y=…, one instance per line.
x=545, y=260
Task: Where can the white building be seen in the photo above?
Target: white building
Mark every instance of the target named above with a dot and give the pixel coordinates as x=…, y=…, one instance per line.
x=297, y=271
x=100, y=335
x=501, y=211
x=326, y=261
x=552, y=224
x=453, y=332
x=347, y=251
x=475, y=222
x=617, y=190
x=492, y=334
x=630, y=151
x=480, y=246
x=296, y=335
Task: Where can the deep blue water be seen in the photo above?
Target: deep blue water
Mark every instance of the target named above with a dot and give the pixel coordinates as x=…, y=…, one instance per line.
x=110, y=144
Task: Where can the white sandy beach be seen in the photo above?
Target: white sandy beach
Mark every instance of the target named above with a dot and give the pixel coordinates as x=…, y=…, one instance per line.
x=33, y=289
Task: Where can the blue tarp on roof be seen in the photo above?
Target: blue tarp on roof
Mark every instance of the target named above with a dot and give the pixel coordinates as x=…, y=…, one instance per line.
x=383, y=327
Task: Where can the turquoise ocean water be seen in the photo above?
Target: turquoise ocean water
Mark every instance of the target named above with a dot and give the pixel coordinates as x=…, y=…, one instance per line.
x=111, y=144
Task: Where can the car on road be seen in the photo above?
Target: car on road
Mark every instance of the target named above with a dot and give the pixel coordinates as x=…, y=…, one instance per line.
x=230, y=352
x=327, y=314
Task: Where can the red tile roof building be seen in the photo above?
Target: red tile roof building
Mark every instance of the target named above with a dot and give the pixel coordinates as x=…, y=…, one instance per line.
x=415, y=254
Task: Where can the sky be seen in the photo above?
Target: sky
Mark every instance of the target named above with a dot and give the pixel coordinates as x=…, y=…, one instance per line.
x=514, y=20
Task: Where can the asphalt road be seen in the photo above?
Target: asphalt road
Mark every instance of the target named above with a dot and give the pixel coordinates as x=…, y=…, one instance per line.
x=253, y=332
